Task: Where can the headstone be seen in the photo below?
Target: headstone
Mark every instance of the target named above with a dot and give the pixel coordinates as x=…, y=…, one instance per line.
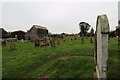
x=37, y=42
x=22, y=40
x=53, y=42
x=47, y=41
x=70, y=41
x=3, y=43
x=102, y=30
x=12, y=46
x=58, y=41
x=82, y=38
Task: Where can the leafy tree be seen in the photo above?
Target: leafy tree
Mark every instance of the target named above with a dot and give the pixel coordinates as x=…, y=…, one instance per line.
x=84, y=27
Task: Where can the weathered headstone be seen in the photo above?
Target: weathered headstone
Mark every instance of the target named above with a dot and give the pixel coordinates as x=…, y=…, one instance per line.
x=12, y=46
x=102, y=30
x=22, y=41
x=47, y=41
x=37, y=42
x=53, y=42
x=58, y=41
x=3, y=43
x=70, y=41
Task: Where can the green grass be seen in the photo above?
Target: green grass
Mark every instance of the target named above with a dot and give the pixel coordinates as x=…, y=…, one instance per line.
x=32, y=62
x=114, y=59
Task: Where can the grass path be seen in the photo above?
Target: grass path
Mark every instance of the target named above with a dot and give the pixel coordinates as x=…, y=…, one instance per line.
x=53, y=60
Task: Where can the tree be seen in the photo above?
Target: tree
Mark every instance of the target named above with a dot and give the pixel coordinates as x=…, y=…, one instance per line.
x=92, y=32
x=84, y=27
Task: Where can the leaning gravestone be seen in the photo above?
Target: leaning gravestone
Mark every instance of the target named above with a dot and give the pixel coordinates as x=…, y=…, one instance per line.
x=12, y=46
x=102, y=30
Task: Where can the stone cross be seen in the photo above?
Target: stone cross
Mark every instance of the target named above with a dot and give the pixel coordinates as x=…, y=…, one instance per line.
x=102, y=30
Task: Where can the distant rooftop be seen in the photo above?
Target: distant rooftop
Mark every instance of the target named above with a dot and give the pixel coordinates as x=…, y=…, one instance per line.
x=40, y=27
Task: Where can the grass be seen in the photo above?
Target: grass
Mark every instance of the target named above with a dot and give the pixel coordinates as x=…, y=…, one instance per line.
x=32, y=62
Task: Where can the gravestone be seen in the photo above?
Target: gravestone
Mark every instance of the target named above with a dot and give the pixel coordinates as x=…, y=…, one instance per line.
x=37, y=42
x=47, y=41
x=22, y=41
x=102, y=30
x=12, y=46
x=3, y=43
x=70, y=41
x=53, y=42
x=58, y=41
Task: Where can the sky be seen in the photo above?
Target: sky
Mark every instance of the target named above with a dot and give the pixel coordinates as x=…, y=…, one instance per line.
x=57, y=16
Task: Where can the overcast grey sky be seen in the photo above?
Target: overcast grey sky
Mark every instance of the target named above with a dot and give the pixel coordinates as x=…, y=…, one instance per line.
x=56, y=16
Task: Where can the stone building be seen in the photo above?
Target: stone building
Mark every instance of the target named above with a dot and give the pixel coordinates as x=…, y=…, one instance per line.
x=3, y=33
x=20, y=34
x=36, y=32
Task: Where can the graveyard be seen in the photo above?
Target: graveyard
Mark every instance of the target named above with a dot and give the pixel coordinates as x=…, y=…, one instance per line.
x=63, y=61
x=60, y=40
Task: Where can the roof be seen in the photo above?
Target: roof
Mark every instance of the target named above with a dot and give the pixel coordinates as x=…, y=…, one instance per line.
x=3, y=30
x=40, y=27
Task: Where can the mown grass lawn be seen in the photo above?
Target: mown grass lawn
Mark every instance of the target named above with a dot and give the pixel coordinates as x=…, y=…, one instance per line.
x=64, y=61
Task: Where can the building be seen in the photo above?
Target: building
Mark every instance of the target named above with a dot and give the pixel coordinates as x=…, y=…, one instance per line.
x=20, y=34
x=36, y=32
x=4, y=33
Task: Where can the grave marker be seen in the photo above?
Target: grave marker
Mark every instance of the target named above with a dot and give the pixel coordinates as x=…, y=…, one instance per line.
x=102, y=30
x=12, y=46
x=37, y=42
x=3, y=43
